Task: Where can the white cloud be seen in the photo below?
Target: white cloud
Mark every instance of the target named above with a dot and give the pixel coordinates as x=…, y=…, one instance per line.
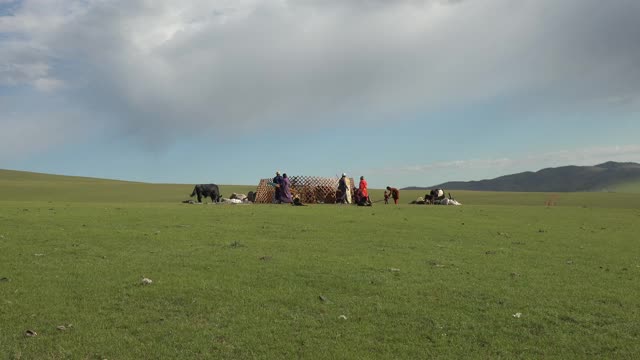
x=162, y=69
x=14, y=74
x=532, y=162
x=45, y=84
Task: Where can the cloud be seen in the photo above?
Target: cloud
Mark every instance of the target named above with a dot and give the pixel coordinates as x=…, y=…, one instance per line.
x=46, y=84
x=22, y=62
x=26, y=134
x=583, y=156
x=168, y=68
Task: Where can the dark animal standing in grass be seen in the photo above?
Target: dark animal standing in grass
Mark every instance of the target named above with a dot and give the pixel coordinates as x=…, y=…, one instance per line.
x=207, y=190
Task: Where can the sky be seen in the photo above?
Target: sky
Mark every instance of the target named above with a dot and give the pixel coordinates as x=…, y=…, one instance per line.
x=405, y=92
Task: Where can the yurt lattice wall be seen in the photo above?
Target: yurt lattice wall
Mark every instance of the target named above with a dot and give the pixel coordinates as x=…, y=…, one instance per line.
x=310, y=189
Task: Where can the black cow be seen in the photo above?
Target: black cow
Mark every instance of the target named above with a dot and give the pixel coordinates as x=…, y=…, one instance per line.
x=207, y=190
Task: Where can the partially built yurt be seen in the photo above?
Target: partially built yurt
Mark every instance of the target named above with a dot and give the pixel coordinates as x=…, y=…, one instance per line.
x=310, y=189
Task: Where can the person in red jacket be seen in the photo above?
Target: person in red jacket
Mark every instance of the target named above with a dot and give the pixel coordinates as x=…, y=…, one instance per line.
x=395, y=194
x=363, y=187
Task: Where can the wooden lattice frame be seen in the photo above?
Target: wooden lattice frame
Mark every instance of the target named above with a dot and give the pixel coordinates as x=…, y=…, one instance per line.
x=310, y=189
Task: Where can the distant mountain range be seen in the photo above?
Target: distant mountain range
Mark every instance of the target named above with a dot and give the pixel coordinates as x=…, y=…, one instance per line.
x=604, y=177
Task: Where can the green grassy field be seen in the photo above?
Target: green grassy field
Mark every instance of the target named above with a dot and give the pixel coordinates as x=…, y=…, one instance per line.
x=271, y=282
x=632, y=187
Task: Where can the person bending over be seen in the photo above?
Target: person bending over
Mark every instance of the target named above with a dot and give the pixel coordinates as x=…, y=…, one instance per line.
x=395, y=194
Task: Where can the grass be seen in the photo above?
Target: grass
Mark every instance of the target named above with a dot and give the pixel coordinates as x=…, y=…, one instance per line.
x=23, y=186
x=631, y=187
x=267, y=281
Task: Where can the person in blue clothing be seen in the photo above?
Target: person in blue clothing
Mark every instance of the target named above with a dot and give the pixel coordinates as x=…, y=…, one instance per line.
x=277, y=181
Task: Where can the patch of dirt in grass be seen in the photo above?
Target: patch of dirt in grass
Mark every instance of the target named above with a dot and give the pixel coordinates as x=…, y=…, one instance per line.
x=567, y=318
x=236, y=245
x=435, y=264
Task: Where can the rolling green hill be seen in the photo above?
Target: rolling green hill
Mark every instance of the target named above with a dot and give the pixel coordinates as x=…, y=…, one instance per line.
x=609, y=176
x=22, y=185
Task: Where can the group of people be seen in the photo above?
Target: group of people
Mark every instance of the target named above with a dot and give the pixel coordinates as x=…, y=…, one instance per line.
x=282, y=185
x=361, y=194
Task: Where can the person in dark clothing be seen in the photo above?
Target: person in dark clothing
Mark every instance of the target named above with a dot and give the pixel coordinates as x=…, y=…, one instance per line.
x=343, y=188
x=277, y=181
x=395, y=194
x=297, y=201
x=360, y=199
